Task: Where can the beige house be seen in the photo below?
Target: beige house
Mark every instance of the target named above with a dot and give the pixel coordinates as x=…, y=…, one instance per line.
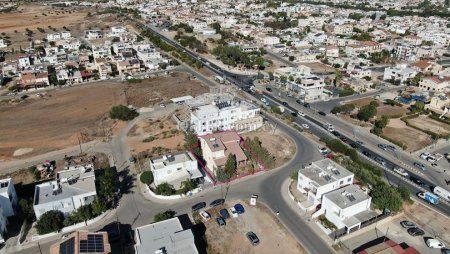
x=426, y=67
x=217, y=147
x=436, y=84
x=128, y=66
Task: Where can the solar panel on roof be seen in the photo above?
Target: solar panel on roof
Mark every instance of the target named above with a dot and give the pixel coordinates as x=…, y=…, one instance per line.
x=67, y=247
x=94, y=243
x=351, y=197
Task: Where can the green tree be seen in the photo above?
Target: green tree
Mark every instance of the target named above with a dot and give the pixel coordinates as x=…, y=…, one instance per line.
x=222, y=175
x=98, y=206
x=146, y=177
x=187, y=186
x=404, y=193
x=191, y=143
x=165, y=189
x=123, y=113
x=291, y=58
x=216, y=26
x=386, y=197
x=50, y=221
x=294, y=175
x=338, y=77
x=230, y=165
x=164, y=215
x=366, y=112
x=108, y=181
x=26, y=208
x=418, y=107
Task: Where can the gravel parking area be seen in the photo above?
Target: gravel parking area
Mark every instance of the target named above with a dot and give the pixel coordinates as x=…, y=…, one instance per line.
x=232, y=237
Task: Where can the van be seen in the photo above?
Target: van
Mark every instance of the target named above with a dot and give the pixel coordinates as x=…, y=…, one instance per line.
x=441, y=192
x=435, y=244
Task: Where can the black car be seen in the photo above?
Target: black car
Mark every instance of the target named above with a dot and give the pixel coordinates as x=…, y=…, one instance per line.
x=224, y=214
x=220, y=221
x=367, y=154
x=416, y=231
x=416, y=181
x=335, y=133
x=322, y=113
x=354, y=145
x=253, y=238
x=344, y=139
x=198, y=206
x=269, y=89
x=294, y=114
x=298, y=101
x=217, y=202
x=284, y=103
x=419, y=165
x=306, y=105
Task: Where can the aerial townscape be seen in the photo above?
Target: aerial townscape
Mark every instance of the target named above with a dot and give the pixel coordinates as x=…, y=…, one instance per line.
x=225, y=126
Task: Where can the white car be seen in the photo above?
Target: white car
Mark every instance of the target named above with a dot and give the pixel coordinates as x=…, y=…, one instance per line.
x=401, y=171
x=253, y=199
x=205, y=216
x=162, y=105
x=233, y=212
x=435, y=244
x=324, y=150
x=425, y=155
x=301, y=114
x=305, y=126
x=263, y=99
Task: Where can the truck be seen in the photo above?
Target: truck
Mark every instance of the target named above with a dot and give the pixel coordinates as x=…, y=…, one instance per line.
x=219, y=79
x=442, y=193
x=429, y=197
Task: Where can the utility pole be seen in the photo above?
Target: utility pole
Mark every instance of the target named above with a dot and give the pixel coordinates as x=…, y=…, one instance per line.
x=79, y=143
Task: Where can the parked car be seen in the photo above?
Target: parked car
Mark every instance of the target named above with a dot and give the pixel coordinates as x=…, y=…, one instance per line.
x=400, y=171
x=380, y=161
x=344, y=139
x=263, y=99
x=322, y=113
x=298, y=101
x=284, y=103
x=253, y=238
x=415, y=232
x=445, y=251
x=198, y=206
x=382, y=146
x=217, y=202
x=367, y=154
x=205, y=215
x=435, y=244
x=220, y=221
x=306, y=105
x=391, y=147
x=294, y=114
x=224, y=213
x=233, y=212
x=324, y=150
x=420, y=166
x=239, y=208
x=354, y=145
x=359, y=142
x=408, y=224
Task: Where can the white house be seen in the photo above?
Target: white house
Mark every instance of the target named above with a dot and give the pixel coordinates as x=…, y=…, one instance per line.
x=72, y=188
x=271, y=40
x=24, y=61
x=321, y=177
x=3, y=43
x=166, y=236
x=399, y=72
x=436, y=84
x=53, y=36
x=311, y=88
x=175, y=168
x=347, y=207
x=93, y=34
x=228, y=115
x=8, y=204
x=116, y=30
x=66, y=35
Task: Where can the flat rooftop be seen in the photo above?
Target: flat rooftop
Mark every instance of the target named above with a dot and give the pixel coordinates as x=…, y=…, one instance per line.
x=325, y=171
x=171, y=159
x=347, y=196
x=4, y=184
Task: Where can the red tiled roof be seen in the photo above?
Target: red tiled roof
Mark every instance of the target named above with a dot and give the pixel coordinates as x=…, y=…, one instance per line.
x=438, y=79
x=42, y=75
x=86, y=74
x=422, y=64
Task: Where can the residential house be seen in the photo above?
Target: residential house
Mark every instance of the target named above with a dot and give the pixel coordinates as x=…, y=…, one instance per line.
x=218, y=146
x=347, y=208
x=101, y=51
x=93, y=34
x=436, y=84
x=311, y=88
x=399, y=72
x=166, y=236
x=10, y=69
x=271, y=40
x=72, y=189
x=363, y=47
x=360, y=72
x=319, y=178
x=412, y=40
x=3, y=43
x=175, y=168
x=404, y=52
x=82, y=242
x=66, y=35
x=227, y=115
x=342, y=29
x=8, y=204
x=117, y=30
x=62, y=75
x=128, y=66
x=53, y=37
x=24, y=61
x=332, y=51
x=426, y=67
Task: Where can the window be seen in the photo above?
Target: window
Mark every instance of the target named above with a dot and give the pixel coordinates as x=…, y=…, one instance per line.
x=178, y=169
x=341, y=182
x=349, y=179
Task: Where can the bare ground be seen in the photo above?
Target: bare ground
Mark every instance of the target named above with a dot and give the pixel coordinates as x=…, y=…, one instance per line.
x=426, y=123
x=232, y=238
x=412, y=138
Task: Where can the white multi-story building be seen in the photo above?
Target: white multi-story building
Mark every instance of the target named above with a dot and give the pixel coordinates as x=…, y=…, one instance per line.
x=53, y=37
x=24, y=61
x=271, y=40
x=404, y=52
x=8, y=204
x=311, y=88
x=399, y=72
x=73, y=188
x=436, y=84
x=321, y=177
x=116, y=30
x=347, y=208
x=229, y=115
x=101, y=51
x=175, y=168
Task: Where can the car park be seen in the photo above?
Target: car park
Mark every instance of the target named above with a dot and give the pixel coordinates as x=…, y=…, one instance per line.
x=408, y=224
x=239, y=208
x=380, y=161
x=217, y=202
x=224, y=213
x=220, y=221
x=415, y=232
x=253, y=238
x=420, y=166
x=400, y=171
x=205, y=215
x=198, y=206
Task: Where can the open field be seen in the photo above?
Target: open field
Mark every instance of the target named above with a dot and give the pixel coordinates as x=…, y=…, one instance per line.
x=382, y=109
x=412, y=138
x=39, y=125
x=278, y=144
x=232, y=237
x=426, y=123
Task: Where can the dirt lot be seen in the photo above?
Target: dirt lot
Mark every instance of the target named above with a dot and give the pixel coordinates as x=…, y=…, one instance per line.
x=426, y=123
x=412, y=138
x=382, y=109
x=232, y=239
x=57, y=120
x=278, y=145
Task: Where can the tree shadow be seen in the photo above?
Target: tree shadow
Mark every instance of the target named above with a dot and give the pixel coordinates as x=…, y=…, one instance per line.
x=126, y=181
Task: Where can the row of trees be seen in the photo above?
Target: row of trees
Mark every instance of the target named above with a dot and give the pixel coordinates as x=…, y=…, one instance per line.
x=346, y=108
x=260, y=152
x=233, y=56
x=191, y=42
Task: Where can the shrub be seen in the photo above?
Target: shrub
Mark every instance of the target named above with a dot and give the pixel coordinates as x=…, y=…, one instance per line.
x=164, y=215
x=385, y=196
x=146, y=177
x=294, y=175
x=149, y=139
x=50, y=221
x=123, y=113
x=367, y=112
x=165, y=189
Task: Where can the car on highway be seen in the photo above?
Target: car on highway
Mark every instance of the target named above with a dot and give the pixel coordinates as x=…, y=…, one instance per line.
x=269, y=89
x=415, y=231
x=224, y=213
x=367, y=154
x=324, y=150
x=400, y=171
x=420, y=166
x=391, y=147
x=359, y=142
x=322, y=113
x=217, y=202
x=344, y=139
x=220, y=221
x=380, y=160
x=294, y=114
x=306, y=105
x=305, y=126
x=253, y=238
x=336, y=134
x=382, y=146
x=408, y=224
x=263, y=99
x=418, y=181
x=198, y=206
x=284, y=103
